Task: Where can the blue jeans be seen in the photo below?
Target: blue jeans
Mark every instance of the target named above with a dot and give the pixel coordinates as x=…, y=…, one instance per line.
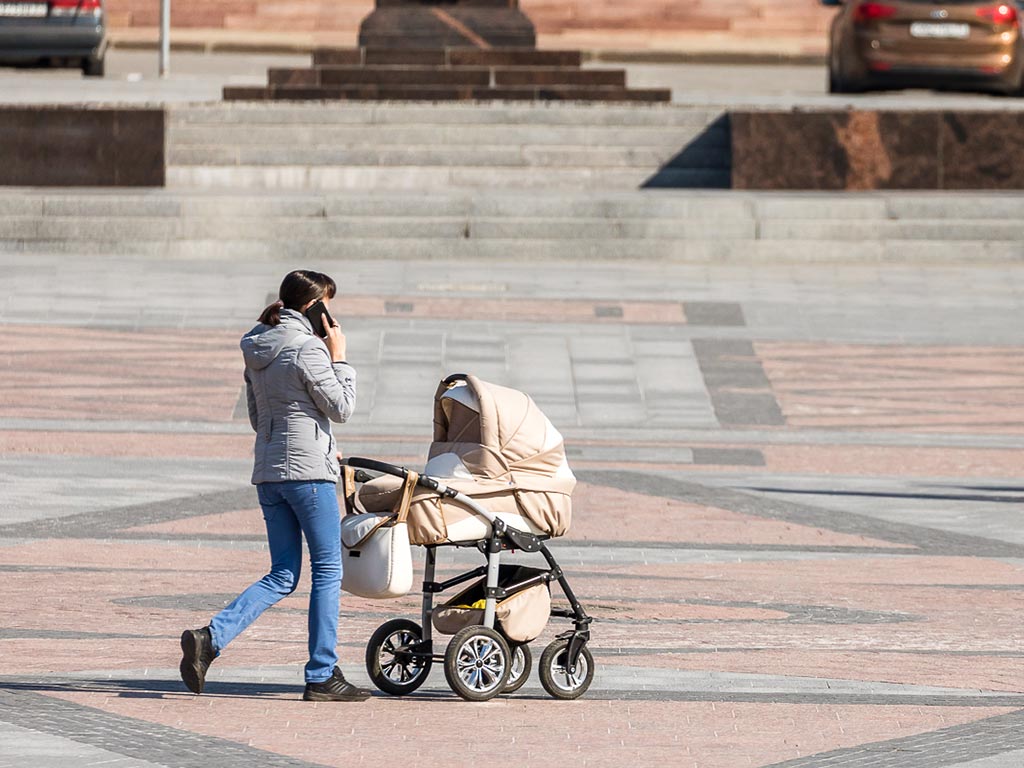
x=291, y=509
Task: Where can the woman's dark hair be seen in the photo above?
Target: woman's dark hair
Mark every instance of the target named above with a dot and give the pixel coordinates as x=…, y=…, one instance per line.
x=298, y=289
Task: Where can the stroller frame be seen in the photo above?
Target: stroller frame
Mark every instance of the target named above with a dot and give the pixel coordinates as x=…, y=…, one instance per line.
x=503, y=538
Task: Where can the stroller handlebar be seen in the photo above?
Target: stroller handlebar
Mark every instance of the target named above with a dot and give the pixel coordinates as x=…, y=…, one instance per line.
x=390, y=469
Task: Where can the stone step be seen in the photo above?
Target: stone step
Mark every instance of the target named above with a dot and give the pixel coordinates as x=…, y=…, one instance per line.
x=450, y=57
x=701, y=251
x=446, y=74
x=321, y=177
x=876, y=229
x=994, y=211
x=451, y=91
x=547, y=114
x=397, y=134
x=414, y=75
x=215, y=205
x=336, y=229
x=488, y=157
x=503, y=228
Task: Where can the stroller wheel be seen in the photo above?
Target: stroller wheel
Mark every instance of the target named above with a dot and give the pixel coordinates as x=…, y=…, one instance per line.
x=477, y=663
x=522, y=663
x=390, y=668
x=557, y=680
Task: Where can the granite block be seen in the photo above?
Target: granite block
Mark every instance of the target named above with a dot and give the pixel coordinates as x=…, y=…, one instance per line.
x=338, y=56
x=312, y=92
x=403, y=76
x=76, y=146
x=512, y=57
x=559, y=76
x=138, y=148
x=426, y=57
x=865, y=150
x=834, y=150
x=505, y=94
x=443, y=25
x=426, y=93
x=245, y=93
x=602, y=93
x=294, y=76
x=981, y=150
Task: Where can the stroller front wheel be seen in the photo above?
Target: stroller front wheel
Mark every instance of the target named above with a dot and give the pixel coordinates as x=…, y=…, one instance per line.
x=557, y=679
x=477, y=663
x=389, y=662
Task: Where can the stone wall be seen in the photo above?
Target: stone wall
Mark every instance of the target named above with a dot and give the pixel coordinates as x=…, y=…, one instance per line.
x=592, y=23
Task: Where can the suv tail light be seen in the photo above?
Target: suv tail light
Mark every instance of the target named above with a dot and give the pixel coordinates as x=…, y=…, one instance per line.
x=871, y=11
x=999, y=14
x=76, y=7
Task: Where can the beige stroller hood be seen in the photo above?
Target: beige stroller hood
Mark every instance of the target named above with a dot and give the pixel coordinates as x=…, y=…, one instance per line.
x=495, y=445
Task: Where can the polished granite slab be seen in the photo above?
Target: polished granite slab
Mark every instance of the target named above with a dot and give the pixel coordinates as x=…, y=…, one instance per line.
x=70, y=146
x=865, y=150
x=440, y=23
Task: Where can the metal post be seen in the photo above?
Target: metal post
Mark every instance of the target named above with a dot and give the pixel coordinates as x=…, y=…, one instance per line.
x=165, y=37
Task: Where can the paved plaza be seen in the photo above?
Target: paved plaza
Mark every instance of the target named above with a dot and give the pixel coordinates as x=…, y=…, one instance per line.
x=798, y=525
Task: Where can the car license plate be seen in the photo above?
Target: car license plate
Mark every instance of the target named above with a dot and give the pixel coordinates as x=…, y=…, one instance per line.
x=29, y=10
x=941, y=31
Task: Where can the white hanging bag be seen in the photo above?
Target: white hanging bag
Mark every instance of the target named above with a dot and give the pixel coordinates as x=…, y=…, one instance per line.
x=375, y=550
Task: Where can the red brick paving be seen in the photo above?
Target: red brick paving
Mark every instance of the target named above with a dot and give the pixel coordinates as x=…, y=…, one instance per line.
x=101, y=374
x=611, y=514
x=533, y=732
x=898, y=387
x=913, y=617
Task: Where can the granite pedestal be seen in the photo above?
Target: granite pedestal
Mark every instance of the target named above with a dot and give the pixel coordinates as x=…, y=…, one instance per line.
x=446, y=23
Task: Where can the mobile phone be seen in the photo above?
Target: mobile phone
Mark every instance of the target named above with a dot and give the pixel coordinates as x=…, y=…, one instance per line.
x=320, y=319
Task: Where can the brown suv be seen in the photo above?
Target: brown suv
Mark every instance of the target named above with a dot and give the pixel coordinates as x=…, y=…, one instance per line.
x=925, y=43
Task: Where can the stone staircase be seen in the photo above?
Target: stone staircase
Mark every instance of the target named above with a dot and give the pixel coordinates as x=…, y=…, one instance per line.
x=499, y=181
x=446, y=74
x=682, y=226
x=357, y=146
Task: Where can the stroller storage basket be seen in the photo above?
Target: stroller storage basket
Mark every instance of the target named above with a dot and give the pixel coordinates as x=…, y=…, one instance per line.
x=520, y=616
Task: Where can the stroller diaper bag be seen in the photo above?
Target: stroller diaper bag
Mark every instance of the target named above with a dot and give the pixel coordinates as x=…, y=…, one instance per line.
x=520, y=617
x=376, y=555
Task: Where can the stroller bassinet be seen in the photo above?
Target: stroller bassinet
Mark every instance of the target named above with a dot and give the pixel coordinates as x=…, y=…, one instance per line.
x=496, y=479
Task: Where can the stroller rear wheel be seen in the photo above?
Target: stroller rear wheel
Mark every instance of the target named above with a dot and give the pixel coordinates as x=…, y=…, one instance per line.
x=522, y=663
x=556, y=678
x=388, y=662
x=477, y=663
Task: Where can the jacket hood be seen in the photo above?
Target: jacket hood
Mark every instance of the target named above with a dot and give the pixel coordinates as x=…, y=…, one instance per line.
x=262, y=345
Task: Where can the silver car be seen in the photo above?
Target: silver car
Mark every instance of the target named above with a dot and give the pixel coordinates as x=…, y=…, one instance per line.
x=68, y=32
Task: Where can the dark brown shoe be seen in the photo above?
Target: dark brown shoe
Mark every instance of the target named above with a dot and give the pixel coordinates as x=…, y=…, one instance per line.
x=197, y=655
x=335, y=688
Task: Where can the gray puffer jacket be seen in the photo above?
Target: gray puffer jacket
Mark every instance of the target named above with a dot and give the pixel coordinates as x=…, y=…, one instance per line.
x=294, y=392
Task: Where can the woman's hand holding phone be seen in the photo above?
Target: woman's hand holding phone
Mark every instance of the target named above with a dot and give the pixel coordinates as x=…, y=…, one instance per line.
x=335, y=341
x=327, y=328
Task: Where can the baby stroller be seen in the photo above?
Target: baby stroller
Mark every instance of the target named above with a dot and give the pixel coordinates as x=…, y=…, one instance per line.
x=496, y=481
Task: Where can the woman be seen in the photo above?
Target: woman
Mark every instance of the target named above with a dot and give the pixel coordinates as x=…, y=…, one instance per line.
x=296, y=383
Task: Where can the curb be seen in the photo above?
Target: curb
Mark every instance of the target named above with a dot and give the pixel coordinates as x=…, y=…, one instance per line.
x=593, y=55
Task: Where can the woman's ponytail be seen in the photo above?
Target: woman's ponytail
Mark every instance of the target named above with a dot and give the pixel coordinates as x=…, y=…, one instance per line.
x=272, y=314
